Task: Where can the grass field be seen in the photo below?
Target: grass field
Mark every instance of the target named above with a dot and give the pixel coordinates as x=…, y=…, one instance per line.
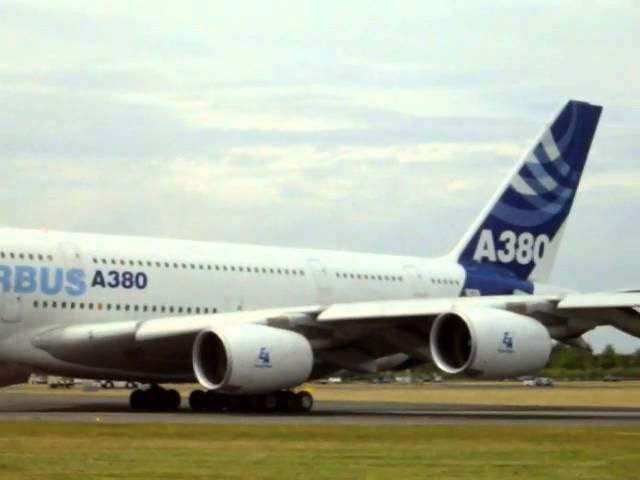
x=586, y=394
x=67, y=450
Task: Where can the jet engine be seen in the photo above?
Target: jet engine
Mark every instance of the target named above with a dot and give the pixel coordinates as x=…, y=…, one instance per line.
x=488, y=343
x=251, y=359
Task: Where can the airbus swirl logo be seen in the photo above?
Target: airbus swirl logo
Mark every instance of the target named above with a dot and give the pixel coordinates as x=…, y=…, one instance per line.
x=507, y=343
x=263, y=360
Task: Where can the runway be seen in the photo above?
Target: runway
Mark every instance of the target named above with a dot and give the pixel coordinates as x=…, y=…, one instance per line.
x=87, y=407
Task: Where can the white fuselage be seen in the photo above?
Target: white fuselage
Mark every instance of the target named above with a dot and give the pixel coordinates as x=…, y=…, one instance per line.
x=56, y=278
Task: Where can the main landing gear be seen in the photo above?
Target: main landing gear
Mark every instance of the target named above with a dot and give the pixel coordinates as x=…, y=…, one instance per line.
x=154, y=398
x=284, y=401
x=158, y=398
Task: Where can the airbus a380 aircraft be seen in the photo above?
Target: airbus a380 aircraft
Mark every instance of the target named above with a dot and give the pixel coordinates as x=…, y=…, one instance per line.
x=250, y=323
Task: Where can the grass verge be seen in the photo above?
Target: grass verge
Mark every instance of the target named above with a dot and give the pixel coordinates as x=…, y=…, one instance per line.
x=47, y=450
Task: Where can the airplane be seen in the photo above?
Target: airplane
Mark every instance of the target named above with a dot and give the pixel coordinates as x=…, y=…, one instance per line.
x=252, y=323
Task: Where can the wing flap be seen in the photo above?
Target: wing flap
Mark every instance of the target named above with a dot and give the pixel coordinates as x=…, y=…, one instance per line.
x=600, y=300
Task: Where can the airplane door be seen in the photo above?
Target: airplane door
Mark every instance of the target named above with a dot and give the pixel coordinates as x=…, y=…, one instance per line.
x=71, y=255
x=417, y=285
x=11, y=308
x=321, y=278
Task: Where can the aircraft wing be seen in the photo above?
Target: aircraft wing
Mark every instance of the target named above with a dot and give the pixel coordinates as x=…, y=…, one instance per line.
x=349, y=335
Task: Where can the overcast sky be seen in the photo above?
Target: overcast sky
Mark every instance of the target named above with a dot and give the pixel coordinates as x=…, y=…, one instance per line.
x=370, y=126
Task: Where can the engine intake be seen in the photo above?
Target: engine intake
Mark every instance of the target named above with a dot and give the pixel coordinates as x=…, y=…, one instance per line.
x=488, y=343
x=248, y=359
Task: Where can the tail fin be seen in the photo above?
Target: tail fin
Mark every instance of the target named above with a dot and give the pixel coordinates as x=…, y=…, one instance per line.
x=519, y=231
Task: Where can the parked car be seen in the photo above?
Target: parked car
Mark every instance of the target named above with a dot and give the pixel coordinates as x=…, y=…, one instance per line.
x=538, y=382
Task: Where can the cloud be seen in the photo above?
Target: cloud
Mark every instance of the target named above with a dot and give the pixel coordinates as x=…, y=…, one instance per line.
x=379, y=128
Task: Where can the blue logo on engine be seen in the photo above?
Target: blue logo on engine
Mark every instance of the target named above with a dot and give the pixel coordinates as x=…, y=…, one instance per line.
x=263, y=360
x=507, y=343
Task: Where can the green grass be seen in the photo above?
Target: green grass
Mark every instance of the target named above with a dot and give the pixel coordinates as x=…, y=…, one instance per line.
x=157, y=451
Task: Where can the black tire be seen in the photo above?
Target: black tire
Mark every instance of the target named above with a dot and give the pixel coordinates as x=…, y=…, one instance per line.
x=214, y=402
x=171, y=399
x=198, y=401
x=269, y=403
x=291, y=402
x=304, y=402
x=138, y=399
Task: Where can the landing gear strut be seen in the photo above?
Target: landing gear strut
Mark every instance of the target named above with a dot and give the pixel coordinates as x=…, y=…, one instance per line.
x=277, y=402
x=154, y=398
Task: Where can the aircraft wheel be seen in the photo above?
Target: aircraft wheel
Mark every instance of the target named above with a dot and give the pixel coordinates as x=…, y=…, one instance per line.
x=170, y=399
x=138, y=399
x=269, y=403
x=304, y=401
x=214, y=402
x=198, y=400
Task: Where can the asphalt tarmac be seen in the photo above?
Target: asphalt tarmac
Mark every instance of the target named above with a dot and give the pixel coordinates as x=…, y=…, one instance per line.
x=87, y=407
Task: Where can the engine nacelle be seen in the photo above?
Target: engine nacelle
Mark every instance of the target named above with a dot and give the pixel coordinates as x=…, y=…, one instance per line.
x=246, y=359
x=488, y=343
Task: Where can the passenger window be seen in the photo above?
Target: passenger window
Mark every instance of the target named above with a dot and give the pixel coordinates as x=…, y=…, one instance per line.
x=126, y=307
x=206, y=310
x=54, y=304
x=197, y=309
x=81, y=306
x=44, y=304
x=35, y=303
x=31, y=256
x=63, y=304
x=188, y=309
x=122, y=262
x=90, y=306
x=21, y=255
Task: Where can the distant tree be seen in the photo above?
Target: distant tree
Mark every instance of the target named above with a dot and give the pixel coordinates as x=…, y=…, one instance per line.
x=608, y=359
x=635, y=358
x=574, y=359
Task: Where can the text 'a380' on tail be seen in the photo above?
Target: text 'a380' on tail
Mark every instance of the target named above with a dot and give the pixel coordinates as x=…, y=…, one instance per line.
x=518, y=233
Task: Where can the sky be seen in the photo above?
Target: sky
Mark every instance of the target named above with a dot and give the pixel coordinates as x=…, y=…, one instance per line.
x=369, y=126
